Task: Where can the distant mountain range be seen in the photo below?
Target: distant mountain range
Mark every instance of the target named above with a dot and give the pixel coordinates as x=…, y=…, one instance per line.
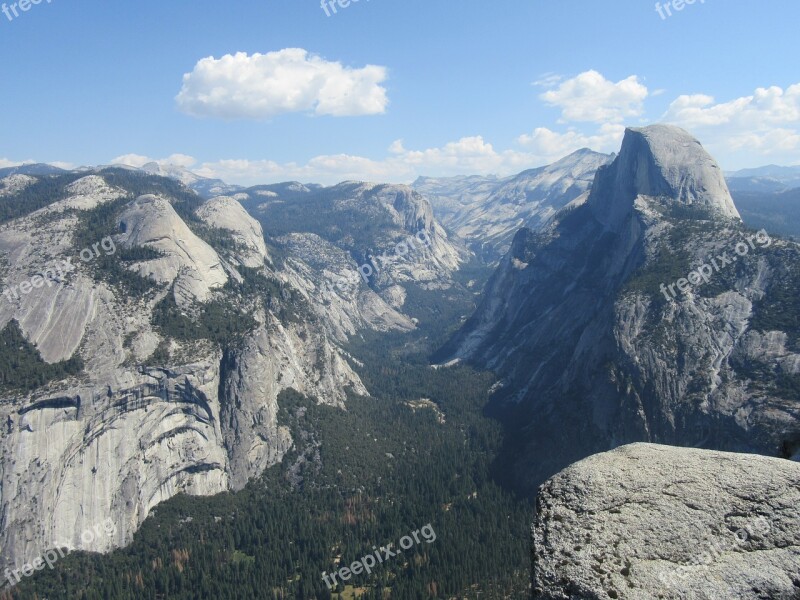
x=487, y=211
x=33, y=169
x=770, y=178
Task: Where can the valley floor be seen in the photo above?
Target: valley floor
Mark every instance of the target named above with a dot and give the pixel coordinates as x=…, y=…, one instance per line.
x=417, y=453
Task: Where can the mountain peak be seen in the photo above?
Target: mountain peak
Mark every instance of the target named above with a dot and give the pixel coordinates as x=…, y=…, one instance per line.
x=661, y=161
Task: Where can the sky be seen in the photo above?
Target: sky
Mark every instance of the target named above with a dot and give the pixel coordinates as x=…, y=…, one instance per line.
x=261, y=91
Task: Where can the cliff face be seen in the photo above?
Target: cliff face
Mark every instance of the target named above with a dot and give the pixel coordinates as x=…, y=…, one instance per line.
x=165, y=403
x=646, y=522
x=595, y=348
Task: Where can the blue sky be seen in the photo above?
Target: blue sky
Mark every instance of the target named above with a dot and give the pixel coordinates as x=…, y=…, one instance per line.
x=391, y=89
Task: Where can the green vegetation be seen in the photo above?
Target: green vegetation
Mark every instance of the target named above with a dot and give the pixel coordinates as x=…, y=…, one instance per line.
x=99, y=223
x=219, y=321
x=674, y=261
x=788, y=386
x=21, y=366
x=37, y=195
x=314, y=212
x=183, y=200
x=668, y=267
x=780, y=308
x=286, y=303
x=160, y=355
x=357, y=478
x=778, y=213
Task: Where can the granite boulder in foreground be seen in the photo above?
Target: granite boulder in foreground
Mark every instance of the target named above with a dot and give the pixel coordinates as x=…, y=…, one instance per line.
x=647, y=521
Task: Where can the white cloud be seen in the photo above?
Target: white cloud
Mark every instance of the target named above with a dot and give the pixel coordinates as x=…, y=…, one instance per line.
x=5, y=163
x=766, y=107
x=552, y=145
x=137, y=160
x=259, y=86
x=591, y=97
x=67, y=166
x=469, y=155
x=549, y=80
x=772, y=142
x=765, y=123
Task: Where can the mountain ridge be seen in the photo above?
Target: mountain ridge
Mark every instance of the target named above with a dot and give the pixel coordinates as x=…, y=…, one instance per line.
x=575, y=323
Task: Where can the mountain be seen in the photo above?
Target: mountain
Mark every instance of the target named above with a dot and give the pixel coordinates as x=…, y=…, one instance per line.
x=778, y=212
x=206, y=187
x=646, y=311
x=386, y=234
x=452, y=196
x=31, y=169
x=159, y=350
x=646, y=522
x=487, y=212
x=771, y=178
x=146, y=335
x=769, y=198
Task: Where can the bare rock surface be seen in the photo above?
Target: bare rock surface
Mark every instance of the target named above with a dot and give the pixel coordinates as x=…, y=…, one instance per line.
x=195, y=267
x=226, y=213
x=121, y=438
x=647, y=521
x=579, y=322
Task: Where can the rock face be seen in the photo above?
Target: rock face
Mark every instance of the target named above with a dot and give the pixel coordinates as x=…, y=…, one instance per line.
x=193, y=265
x=583, y=327
x=487, y=211
x=156, y=412
x=77, y=457
x=14, y=183
x=647, y=522
x=226, y=213
x=660, y=161
x=386, y=234
x=329, y=278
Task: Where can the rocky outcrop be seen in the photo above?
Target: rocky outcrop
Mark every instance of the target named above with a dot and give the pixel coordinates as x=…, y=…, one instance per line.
x=660, y=161
x=648, y=522
x=193, y=265
x=72, y=460
x=330, y=280
x=226, y=213
x=355, y=237
x=274, y=358
x=55, y=309
x=134, y=428
x=15, y=183
x=581, y=323
x=85, y=194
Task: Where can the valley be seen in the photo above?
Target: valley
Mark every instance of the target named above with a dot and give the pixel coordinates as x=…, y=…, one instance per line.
x=252, y=408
